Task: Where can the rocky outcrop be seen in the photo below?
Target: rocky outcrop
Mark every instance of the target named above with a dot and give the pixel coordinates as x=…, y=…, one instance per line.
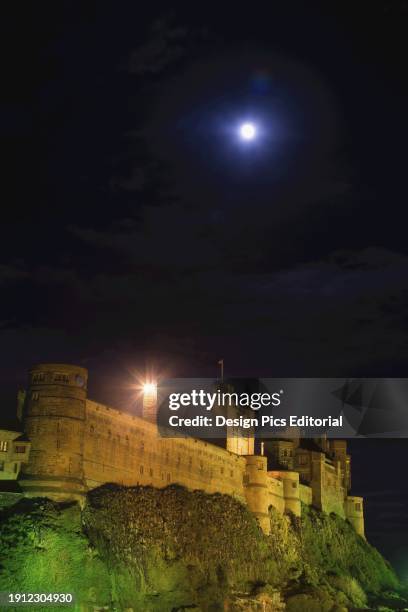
x=171, y=549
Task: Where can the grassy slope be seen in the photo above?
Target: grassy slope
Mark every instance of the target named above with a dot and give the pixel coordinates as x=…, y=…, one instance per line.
x=163, y=549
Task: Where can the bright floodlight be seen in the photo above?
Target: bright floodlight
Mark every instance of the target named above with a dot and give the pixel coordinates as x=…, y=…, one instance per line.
x=247, y=131
x=149, y=388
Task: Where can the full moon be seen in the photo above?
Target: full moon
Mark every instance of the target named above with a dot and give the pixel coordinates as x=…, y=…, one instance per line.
x=247, y=131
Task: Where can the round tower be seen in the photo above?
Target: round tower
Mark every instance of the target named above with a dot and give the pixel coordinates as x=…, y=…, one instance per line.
x=256, y=489
x=54, y=418
x=355, y=513
x=291, y=489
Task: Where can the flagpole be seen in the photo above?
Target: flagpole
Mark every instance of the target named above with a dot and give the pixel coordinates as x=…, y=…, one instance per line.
x=221, y=363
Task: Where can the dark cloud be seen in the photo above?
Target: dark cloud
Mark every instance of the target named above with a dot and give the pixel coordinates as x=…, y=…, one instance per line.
x=165, y=45
x=180, y=288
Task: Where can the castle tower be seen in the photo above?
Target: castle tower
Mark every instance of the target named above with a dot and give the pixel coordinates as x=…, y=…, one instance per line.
x=317, y=482
x=54, y=416
x=256, y=489
x=338, y=450
x=239, y=441
x=355, y=513
x=290, y=481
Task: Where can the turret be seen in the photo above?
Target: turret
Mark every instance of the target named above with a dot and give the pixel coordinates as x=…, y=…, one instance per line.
x=338, y=450
x=53, y=419
x=355, y=513
x=291, y=490
x=317, y=481
x=256, y=490
x=238, y=440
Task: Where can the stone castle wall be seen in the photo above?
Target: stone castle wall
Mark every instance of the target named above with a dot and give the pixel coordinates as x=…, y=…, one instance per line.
x=126, y=449
x=79, y=444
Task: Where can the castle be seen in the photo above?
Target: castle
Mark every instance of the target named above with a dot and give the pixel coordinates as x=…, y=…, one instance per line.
x=68, y=444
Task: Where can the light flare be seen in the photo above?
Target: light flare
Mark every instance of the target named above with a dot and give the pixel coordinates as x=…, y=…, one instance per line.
x=247, y=131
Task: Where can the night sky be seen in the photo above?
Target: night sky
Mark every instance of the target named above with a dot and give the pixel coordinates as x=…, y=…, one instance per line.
x=138, y=231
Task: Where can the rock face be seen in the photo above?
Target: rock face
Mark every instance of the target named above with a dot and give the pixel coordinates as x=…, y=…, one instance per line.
x=171, y=549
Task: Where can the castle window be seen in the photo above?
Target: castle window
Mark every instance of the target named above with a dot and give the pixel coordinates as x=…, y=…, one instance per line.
x=231, y=473
x=3, y=445
x=79, y=380
x=168, y=477
x=34, y=396
x=1, y=466
x=38, y=378
x=358, y=507
x=141, y=469
x=20, y=449
x=91, y=429
x=59, y=377
x=151, y=472
x=222, y=470
x=15, y=468
x=294, y=485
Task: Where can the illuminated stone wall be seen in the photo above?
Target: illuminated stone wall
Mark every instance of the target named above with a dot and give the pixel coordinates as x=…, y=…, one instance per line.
x=79, y=444
x=127, y=450
x=305, y=494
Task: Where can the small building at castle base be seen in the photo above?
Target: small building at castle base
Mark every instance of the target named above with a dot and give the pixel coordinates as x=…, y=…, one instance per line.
x=64, y=444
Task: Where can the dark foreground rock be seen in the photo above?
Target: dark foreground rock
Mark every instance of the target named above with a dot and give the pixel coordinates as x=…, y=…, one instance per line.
x=167, y=550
